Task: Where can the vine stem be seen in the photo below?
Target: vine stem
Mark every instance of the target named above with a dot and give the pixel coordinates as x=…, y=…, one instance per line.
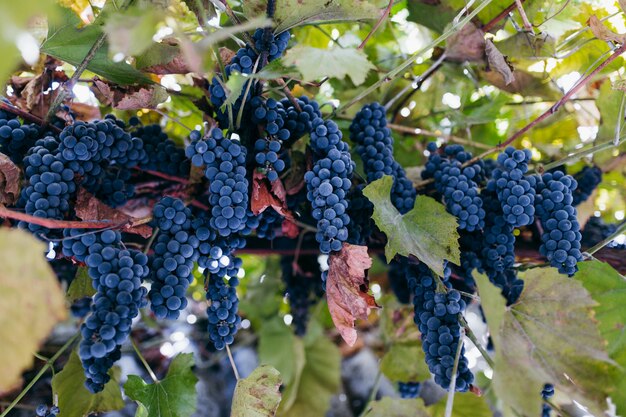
x=452, y=387
x=527, y=26
x=372, y=397
x=621, y=229
x=504, y=13
x=144, y=362
x=232, y=363
x=574, y=156
x=411, y=60
x=470, y=334
x=70, y=224
x=379, y=22
x=41, y=372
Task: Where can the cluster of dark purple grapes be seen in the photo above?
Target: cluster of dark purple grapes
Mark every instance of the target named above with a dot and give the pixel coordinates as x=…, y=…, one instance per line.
x=436, y=316
x=546, y=393
x=15, y=139
x=162, y=154
x=270, y=116
x=222, y=312
x=328, y=183
x=409, y=390
x=302, y=287
x=457, y=184
x=596, y=230
x=560, y=241
x=375, y=147
x=246, y=61
x=588, y=179
x=515, y=192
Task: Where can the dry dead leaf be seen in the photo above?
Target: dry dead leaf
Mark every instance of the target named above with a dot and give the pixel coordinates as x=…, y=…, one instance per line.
x=130, y=97
x=268, y=194
x=602, y=32
x=89, y=208
x=9, y=181
x=498, y=62
x=468, y=44
x=347, y=289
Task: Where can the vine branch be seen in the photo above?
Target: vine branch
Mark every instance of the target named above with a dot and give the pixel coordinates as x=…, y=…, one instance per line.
x=621, y=229
x=379, y=22
x=68, y=224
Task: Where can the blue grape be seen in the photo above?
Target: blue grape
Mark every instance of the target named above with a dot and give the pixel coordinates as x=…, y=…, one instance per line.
x=515, y=192
x=546, y=393
x=162, y=154
x=43, y=410
x=269, y=115
x=222, y=313
x=409, y=390
x=299, y=123
x=597, y=230
x=15, y=139
x=302, y=288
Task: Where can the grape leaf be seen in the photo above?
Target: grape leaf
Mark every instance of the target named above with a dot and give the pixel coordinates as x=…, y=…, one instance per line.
x=81, y=285
x=608, y=288
x=319, y=379
x=498, y=62
x=257, y=395
x=435, y=16
x=466, y=404
x=130, y=32
x=347, y=289
x=174, y=396
x=396, y=322
x=547, y=336
x=291, y=13
x=426, y=232
x=31, y=302
x=203, y=9
x=280, y=348
x=405, y=362
x=338, y=62
x=75, y=400
x=70, y=44
x=163, y=58
x=9, y=181
x=394, y=407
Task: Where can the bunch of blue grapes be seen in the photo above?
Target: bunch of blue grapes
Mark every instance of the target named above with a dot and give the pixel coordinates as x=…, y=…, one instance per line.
x=79, y=244
x=546, y=393
x=269, y=115
x=596, y=230
x=588, y=179
x=162, y=154
x=225, y=168
x=360, y=210
x=299, y=123
x=375, y=146
x=245, y=61
x=560, y=241
x=222, y=313
x=114, y=187
x=457, y=184
x=328, y=183
x=15, y=139
x=43, y=410
x=302, y=287
x=175, y=252
x=498, y=247
x=117, y=275
x=396, y=274
x=269, y=224
x=409, y=390
x=436, y=316
x=516, y=193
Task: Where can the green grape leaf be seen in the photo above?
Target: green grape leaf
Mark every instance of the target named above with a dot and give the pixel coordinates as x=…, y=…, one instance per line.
x=203, y=9
x=547, y=336
x=257, y=395
x=75, y=400
x=31, y=302
x=338, y=63
x=68, y=43
x=466, y=404
x=174, y=396
x=81, y=285
x=427, y=232
x=396, y=322
x=434, y=16
x=525, y=45
x=130, y=32
x=319, y=379
x=280, y=348
x=292, y=13
x=405, y=362
x=608, y=288
x=394, y=407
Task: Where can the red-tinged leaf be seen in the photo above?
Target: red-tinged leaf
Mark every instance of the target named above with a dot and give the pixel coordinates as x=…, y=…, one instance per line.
x=130, y=97
x=347, y=289
x=268, y=194
x=9, y=181
x=290, y=229
x=164, y=58
x=85, y=112
x=89, y=208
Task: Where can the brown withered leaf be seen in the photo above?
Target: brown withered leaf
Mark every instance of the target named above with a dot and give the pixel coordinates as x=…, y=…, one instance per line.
x=268, y=194
x=128, y=97
x=171, y=59
x=468, y=44
x=85, y=112
x=289, y=229
x=498, y=62
x=89, y=208
x=9, y=181
x=602, y=32
x=347, y=289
